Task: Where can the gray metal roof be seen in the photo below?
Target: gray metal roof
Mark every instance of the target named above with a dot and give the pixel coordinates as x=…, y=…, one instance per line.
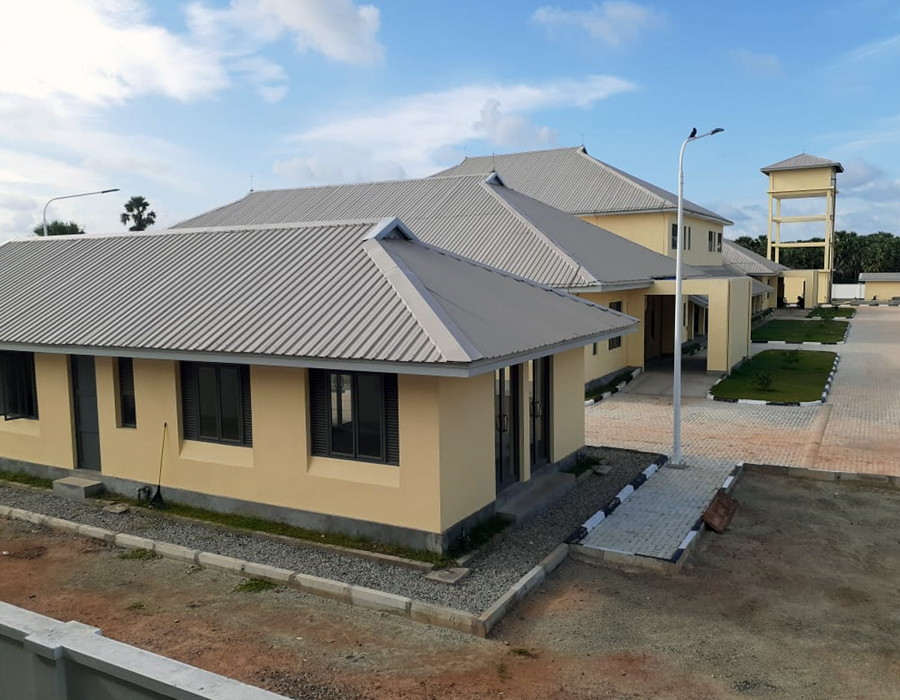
x=801, y=162
x=571, y=180
x=303, y=294
x=748, y=262
x=472, y=215
x=879, y=276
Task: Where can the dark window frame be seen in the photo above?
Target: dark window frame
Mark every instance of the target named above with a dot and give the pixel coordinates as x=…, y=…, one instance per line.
x=18, y=386
x=125, y=386
x=686, y=239
x=615, y=343
x=321, y=424
x=190, y=404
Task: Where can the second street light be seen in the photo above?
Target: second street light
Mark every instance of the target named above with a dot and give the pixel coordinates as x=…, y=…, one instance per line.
x=676, y=461
x=70, y=196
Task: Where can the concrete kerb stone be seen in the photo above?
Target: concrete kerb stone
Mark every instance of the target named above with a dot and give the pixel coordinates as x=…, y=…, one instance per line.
x=27, y=516
x=176, y=551
x=616, y=389
x=380, y=601
x=420, y=611
x=218, y=562
x=4, y=511
x=823, y=475
x=133, y=542
x=490, y=617
x=553, y=560
x=325, y=587
x=267, y=573
x=97, y=533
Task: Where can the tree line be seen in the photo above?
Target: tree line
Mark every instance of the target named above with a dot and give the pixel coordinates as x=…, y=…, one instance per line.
x=137, y=213
x=853, y=253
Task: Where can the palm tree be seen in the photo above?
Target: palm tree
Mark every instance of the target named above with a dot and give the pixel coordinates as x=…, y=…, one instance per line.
x=136, y=212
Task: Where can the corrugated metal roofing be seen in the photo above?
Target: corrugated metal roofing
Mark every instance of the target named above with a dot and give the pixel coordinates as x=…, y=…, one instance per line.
x=469, y=217
x=571, y=180
x=801, y=161
x=302, y=291
x=748, y=262
x=879, y=276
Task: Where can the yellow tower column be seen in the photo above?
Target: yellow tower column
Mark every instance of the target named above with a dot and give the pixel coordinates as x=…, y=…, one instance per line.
x=804, y=177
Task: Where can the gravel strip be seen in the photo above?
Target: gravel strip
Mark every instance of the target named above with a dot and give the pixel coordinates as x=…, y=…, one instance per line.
x=492, y=572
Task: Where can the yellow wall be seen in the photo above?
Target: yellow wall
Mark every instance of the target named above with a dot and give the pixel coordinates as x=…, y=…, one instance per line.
x=728, y=337
x=649, y=229
x=805, y=282
x=631, y=352
x=882, y=290
x=567, y=392
x=799, y=180
x=50, y=439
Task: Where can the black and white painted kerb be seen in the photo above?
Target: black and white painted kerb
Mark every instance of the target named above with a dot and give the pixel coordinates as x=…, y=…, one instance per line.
x=580, y=533
x=698, y=526
x=760, y=402
x=807, y=342
x=615, y=390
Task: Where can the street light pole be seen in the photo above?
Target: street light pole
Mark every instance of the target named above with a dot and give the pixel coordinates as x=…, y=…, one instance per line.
x=676, y=461
x=70, y=196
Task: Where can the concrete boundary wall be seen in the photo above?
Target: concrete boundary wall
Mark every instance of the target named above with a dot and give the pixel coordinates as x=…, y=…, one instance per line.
x=359, y=596
x=45, y=659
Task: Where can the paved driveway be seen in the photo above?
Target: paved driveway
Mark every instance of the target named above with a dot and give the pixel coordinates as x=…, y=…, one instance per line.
x=857, y=430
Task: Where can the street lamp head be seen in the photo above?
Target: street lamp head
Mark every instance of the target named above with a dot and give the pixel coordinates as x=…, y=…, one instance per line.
x=115, y=189
x=717, y=130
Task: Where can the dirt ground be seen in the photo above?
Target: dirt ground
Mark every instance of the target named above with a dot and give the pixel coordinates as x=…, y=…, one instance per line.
x=799, y=599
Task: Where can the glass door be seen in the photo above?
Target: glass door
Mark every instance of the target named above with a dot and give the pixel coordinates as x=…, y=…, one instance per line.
x=506, y=424
x=539, y=408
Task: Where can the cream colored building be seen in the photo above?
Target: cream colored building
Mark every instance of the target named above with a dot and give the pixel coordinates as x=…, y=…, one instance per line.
x=881, y=286
x=342, y=377
x=612, y=200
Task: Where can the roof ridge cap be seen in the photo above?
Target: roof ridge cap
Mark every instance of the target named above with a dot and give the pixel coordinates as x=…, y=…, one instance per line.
x=434, y=321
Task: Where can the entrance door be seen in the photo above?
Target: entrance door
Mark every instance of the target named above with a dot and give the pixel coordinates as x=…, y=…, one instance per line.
x=540, y=412
x=506, y=422
x=87, y=423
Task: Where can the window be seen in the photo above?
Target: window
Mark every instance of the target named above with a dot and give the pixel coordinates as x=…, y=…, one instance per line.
x=594, y=349
x=215, y=403
x=712, y=241
x=18, y=392
x=617, y=341
x=687, y=237
x=354, y=415
x=127, y=412
x=719, y=242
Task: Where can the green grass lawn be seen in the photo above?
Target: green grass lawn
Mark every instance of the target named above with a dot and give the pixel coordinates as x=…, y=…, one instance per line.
x=827, y=331
x=831, y=313
x=799, y=379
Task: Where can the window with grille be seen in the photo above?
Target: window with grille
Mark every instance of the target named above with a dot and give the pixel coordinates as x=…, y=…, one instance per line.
x=215, y=403
x=127, y=408
x=354, y=415
x=18, y=391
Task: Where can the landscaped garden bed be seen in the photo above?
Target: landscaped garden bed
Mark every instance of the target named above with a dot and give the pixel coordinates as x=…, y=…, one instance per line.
x=826, y=331
x=833, y=312
x=778, y=376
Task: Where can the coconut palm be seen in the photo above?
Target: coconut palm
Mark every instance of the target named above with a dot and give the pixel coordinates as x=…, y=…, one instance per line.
x=136, y=213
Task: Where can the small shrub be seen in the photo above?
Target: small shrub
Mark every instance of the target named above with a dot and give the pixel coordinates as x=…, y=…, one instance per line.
x=138, y=554
x=254, y=585
x=791, y=359
x=762, y=381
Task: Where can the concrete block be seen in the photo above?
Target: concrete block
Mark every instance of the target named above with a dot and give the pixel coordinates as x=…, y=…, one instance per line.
x=133, y=542
x=379, y=600
x=552, y=561
x=490, y=617
x=27, y=516
x=336, y=590
x=450, y=576
x=4, y=511
x=76, y=488
x=220, y=563
x=815, y=474
x=267, y=573
x=61, y=525
x=440, y=616
x=532, y=579
x=176, y=551
x=861, y=477
x=97, y=533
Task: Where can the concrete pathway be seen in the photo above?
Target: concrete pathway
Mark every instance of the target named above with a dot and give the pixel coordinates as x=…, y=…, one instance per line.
x=857, y=430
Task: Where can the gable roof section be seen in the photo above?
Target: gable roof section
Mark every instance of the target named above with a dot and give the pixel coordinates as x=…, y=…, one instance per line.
x=359, y=293
x=802, y=161
x=756, y=287
x=748, y=262
x=474, y=216
x=571, y=180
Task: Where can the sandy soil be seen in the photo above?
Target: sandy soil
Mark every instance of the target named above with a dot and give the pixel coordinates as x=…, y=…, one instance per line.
x=799, y=599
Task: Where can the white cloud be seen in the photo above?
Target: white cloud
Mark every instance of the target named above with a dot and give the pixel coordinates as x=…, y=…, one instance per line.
x=757, y=65
x=616, y=22
x=414, y=133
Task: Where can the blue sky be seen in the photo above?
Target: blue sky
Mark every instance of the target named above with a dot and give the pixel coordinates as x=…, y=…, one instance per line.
x=183, y=101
